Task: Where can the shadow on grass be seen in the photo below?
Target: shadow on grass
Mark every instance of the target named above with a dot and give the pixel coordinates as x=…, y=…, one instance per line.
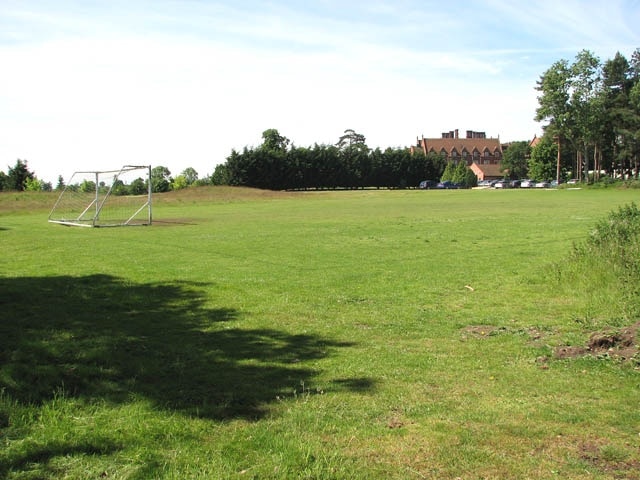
x=100, y=337
x=41, y=454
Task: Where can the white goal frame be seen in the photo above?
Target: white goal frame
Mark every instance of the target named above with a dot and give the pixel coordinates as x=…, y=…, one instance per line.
x=100, y=204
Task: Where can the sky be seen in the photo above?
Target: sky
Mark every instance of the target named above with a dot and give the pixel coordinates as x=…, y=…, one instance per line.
x=94, y=85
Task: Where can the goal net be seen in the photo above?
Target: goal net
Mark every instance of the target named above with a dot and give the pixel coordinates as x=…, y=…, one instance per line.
x=105, y=199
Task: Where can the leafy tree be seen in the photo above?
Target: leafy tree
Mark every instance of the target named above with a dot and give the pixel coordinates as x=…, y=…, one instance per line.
x=220, y=175
x=586, y=106
x=447, y=175
x=18, y=175
x=179, y=183
x=160, y=179
x=622, y=118
x=118, y=188
x=459, y=173
x=138, y=187
x=33, y=185
x=60, y=186
x=190, y=175
x=554, y=104
x=634, y=133
x=471, y=179
x=3, y=181
x=354, y=154
x=434, y=166
x=543, y=161
x=350, y=139
x=272, y=140
x=554, y=87
x=464, y=176
x=515, y=161
x=88, y=186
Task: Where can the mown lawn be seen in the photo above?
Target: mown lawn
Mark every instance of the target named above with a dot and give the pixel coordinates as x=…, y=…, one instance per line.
x=360, y=334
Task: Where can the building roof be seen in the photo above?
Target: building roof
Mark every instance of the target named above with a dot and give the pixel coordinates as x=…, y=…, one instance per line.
x=488, y=170
x=535, y=141
x=460, y=144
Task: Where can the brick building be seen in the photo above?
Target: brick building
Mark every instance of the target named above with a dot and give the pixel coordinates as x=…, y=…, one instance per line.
x=481, y=154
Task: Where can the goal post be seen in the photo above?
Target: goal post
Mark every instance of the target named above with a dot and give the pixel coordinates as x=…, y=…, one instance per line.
x=106, y=198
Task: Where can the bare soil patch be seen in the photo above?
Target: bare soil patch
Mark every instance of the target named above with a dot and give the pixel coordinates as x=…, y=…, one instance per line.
x=484, y=331
x=479, y=331
x=619, y=344
x=608, y=460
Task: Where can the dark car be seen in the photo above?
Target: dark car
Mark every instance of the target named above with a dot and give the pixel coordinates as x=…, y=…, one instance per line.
x=515, y=183
x=447, y=185
x=428, y=184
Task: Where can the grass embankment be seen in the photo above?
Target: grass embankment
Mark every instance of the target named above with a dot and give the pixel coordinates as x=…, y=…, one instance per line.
x=366, y=334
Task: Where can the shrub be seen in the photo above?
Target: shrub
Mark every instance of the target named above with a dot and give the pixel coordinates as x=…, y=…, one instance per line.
x=604, y=269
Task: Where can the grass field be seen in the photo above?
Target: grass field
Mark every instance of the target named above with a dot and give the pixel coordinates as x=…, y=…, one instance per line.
x=360, y=334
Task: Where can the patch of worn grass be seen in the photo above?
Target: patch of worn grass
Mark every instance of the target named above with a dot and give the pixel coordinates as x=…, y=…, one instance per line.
x=364, y=334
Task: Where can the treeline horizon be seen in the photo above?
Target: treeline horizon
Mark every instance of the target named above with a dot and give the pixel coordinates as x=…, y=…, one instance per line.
x=349, y=164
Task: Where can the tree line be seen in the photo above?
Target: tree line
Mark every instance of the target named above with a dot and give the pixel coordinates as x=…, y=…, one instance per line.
x=592, y=110
x=276, y=164
x=20, y=178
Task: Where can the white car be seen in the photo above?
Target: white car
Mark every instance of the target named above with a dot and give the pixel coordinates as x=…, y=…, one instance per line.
x=543, y=185
x=527, y=184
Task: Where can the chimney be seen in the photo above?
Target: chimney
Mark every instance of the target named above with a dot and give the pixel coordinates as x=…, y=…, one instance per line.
x=456, y=133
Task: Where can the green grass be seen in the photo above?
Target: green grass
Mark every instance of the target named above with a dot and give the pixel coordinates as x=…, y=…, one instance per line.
x=362, y=334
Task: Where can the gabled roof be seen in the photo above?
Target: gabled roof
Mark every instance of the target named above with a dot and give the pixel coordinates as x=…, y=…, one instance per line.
x=460, y=144
x=488, y=170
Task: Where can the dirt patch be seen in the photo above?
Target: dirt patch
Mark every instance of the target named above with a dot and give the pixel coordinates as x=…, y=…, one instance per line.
x=622, y=344
x=479, y=331
x=609, y=459
x=484, y=331
x=619, y=344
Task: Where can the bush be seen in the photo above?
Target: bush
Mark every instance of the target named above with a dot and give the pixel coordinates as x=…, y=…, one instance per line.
x=604, y=270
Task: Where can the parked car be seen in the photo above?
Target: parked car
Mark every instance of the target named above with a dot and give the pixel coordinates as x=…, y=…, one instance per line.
x=527, y=183
x=554, y=183
x=543, y=185
x=502, y=184
x=515, y=183
x=428, y=184
x=447, y=185
x=573, y=181
x=484, y=183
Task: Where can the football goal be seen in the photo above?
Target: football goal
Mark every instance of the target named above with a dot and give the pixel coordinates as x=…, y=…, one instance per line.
x=105, y=199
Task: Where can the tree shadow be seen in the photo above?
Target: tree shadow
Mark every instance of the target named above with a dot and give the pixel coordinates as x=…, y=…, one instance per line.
x=103, y=337
x=42, y=454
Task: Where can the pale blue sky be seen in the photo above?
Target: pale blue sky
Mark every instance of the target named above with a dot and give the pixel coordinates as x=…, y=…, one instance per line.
x=98, y=84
